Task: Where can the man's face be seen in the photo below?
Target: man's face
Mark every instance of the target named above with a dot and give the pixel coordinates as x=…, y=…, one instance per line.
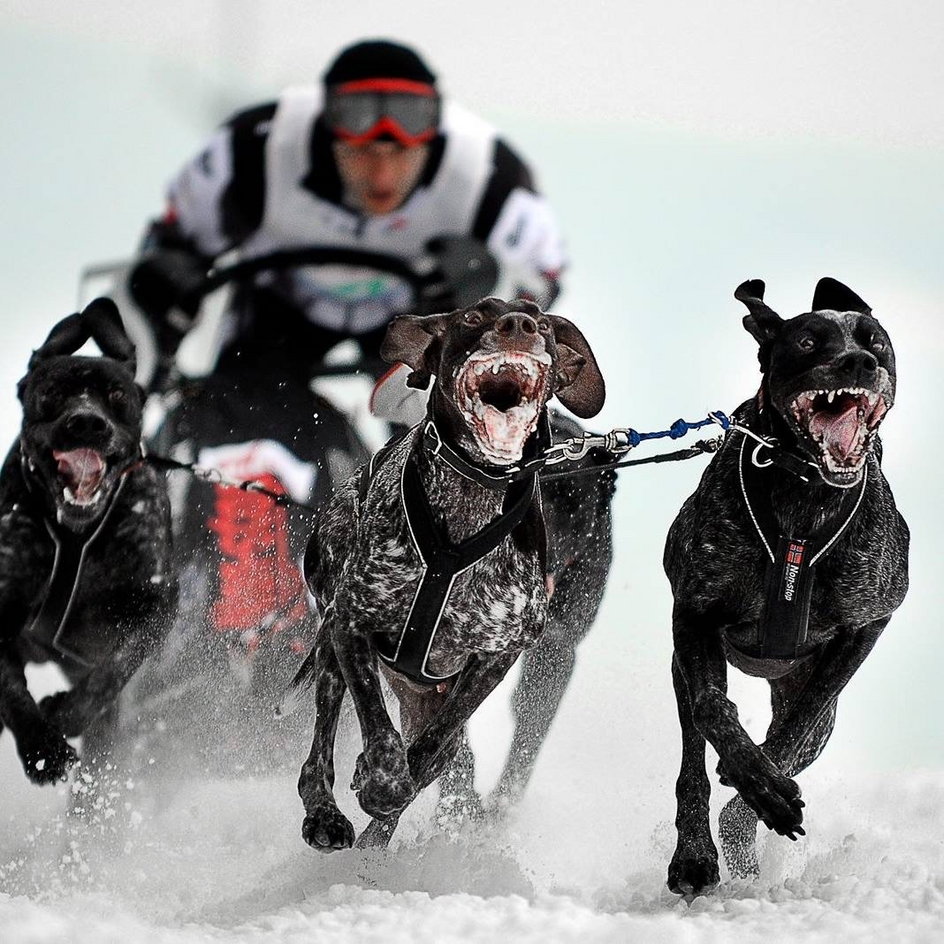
x=379, y=175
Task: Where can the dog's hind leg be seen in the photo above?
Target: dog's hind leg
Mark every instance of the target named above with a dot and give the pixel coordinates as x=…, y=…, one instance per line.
x=805, y=709
x=325, y=827
x=458, y=799
x=378, y=833
x=694, y=866
x=438, y=742
x=737, y=830
x=545, y=674
x=738, y=822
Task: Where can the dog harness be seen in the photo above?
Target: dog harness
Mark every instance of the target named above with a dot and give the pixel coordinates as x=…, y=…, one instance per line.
x=443, y=561
x=51, y=616
x=790, y=575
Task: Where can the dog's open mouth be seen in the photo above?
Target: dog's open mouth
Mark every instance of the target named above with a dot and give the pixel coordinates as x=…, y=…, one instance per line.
x=501, y=396
x=81, y=473
x=842, y=424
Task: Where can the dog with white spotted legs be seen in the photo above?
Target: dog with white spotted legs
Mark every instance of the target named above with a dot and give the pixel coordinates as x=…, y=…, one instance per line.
x=429, y=565
x=787, y=562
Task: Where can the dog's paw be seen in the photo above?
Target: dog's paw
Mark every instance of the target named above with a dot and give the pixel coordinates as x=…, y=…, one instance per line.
x=383, y=783
x=327, y=829
x=775, y=798
x=64, y=711
x=47, y=756
x=693, y=873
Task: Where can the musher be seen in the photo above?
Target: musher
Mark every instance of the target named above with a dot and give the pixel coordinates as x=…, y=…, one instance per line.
x=375, y=160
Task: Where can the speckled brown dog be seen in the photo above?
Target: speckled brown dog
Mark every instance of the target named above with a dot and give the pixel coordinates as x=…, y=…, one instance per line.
x=445, y=634
x=787, y=562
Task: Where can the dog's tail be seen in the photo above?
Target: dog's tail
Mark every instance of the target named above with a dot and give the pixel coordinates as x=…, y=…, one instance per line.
x=296, y=689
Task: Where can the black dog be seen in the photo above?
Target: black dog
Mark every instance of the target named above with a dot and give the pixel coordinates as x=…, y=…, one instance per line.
x=431, y=563
x=85, y=577
x=787, y=561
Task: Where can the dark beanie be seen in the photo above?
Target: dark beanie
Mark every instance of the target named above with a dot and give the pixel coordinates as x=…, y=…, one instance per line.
x=377, y=59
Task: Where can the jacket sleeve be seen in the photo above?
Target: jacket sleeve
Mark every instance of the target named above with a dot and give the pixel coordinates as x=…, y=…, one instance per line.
x=519, y=228
x=213, y=204
x=217, y=198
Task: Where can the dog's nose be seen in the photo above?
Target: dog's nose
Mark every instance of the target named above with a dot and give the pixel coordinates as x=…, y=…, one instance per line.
x=516, y=322
x=85, y=425
x=860, y=363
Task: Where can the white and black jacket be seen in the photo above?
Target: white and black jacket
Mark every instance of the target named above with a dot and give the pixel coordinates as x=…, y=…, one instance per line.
x=267, y=181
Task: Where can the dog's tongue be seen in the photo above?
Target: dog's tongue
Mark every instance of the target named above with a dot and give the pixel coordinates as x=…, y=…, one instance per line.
x=82, y=469
x=840, y=429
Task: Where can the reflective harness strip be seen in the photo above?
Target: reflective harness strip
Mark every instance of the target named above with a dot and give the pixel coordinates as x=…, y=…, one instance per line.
x=790, y=575
x=51, y=617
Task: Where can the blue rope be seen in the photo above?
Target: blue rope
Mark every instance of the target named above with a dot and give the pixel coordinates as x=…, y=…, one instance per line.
x=678, y=429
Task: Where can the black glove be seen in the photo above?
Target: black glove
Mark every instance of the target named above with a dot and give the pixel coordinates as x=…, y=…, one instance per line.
x=159, y=284
x=465, y=272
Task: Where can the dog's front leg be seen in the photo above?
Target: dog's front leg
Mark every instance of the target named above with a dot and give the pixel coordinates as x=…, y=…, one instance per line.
x=45, y=754
x=325, y=827
x=694, y=866
x=700, y=674
x=382, y=778
x=799, y=734
x=91, y=696
x=428, y=754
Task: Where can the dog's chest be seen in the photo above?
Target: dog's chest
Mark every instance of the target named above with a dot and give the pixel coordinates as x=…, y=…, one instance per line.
x=497, y=604
x=95, y=591
x=718, y=561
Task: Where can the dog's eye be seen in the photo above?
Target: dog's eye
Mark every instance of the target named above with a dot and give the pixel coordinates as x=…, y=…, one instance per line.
x=45, y=406
x=877, y=345
x=117, y=397
x=806, y=342
x=544, y=324
x=473, y=318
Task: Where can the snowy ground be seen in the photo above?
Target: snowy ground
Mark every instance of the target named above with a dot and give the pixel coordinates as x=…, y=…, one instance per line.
x=580, y=862
x=583, y=858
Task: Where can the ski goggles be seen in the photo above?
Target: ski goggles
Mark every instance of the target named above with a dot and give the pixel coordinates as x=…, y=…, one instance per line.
x=358, y=112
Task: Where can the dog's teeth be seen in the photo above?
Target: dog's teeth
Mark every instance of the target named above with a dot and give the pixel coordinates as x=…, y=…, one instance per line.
x=830, y=396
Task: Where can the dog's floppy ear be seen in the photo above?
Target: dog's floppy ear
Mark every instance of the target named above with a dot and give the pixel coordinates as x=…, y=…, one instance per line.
x=101, y=322
x=579, y=384
x=65, y=338
x=108, y=332
x=762, y=321
x=831, y=295
x=409, y=340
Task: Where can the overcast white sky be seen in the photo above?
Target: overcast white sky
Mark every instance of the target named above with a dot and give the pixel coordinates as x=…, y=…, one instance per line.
x=869, y=70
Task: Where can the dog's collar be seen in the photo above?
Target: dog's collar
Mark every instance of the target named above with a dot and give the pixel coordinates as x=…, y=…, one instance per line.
x=767, y=452
x=497, y=478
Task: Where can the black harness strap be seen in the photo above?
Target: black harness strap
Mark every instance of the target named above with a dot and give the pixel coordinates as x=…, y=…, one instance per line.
x=443, y=561
x=790, y=576
x=51, y=618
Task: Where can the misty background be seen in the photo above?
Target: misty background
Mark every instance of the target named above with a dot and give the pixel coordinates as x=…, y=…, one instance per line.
x=685, y=147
